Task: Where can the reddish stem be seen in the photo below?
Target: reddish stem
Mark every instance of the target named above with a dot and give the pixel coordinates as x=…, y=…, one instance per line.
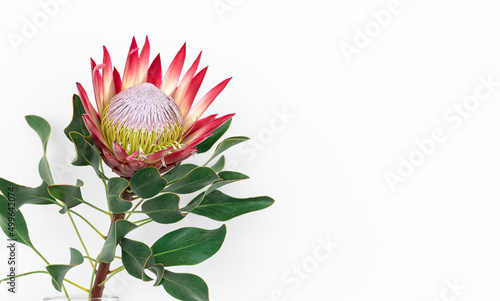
x=103, y=267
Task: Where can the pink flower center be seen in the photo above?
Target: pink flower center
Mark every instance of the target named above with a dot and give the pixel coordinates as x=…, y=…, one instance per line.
x=144, y=106
x=142, y=119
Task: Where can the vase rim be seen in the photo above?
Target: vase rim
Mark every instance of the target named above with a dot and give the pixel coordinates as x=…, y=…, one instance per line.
x=81, y=298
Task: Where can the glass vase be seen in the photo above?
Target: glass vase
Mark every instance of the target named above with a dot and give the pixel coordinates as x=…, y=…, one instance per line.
x=81, y=298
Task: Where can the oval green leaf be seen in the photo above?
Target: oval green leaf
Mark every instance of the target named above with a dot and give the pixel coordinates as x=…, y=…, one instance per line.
x=116, y=187
x=163, y=209
x=219, y=165
x=147, y=182
x=186, y=287
x=13, y=223
x=136, y=257
x=193, y=181
x=227, y=178
x=188, y=246
x=179, y=172
x=227, y=144
x=222, y=207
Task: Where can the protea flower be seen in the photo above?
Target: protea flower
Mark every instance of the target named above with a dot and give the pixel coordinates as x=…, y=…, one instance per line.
x=143, y=119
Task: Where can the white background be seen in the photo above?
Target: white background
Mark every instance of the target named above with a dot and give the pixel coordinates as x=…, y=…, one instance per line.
x=328, y=127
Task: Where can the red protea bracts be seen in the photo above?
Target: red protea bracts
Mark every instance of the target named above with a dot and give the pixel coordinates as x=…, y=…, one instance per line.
x=143, y=119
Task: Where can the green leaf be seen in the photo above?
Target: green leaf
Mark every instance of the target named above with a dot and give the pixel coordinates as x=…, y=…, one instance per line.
x=195, y=180
x=70, y=195
x=188, y=246
x=217, y=167
x=42, y=128
x=27, y=195
x=222, y=207
x=77, y=125
x=15, y=228
x=227, y=178
x=186, y=287
x=136, y=257
x=163, y=209
x=118, y=230
x=59, y=271
x=44, y=171
x=116, y=187
x=226, y=144
x=159, y=270
x=179, y=172
x=86, y=153
x=210, y=141
x=147, y=182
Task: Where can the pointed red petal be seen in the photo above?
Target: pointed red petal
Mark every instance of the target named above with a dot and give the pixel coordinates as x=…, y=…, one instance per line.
x=142, y=67
x=126, y=170
x=87, y=105
x=180, y=92
x=201, y=106
x=207, y=129
x=117, y=80
x=137, y=165
x=92, y=66
x=117, y=171
x=119, y=151
x=130, y=157
x=199, y=140
x=193, y=89
x=173, y=73
x=98, y=88
x=154, y=72
x=94, y=132
x=199, y=124
x=155, y=157
x=179, y=156
x=111, y=160
x=92, y=69
x=130, y=66
x=107, y=79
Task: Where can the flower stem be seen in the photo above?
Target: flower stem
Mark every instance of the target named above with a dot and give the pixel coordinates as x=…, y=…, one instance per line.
x=118, y=269
x=97, y=208
x=142, y=220
x=41, y=256
x=85, y=220
x=25, y=274
x=145, y=223
x=112, y=273
x=133, y=210
x=103, y=267
x=106, y=191
x=43, y=272
x=78, y=286
x=80, y=238
x=93, y=275
x=65, y=291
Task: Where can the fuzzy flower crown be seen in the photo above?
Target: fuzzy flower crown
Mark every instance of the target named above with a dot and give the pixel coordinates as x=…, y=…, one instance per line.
x=145, y=119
